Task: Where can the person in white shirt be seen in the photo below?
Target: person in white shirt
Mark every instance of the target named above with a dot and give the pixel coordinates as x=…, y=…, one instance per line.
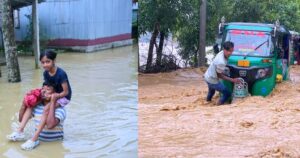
x=214, y=74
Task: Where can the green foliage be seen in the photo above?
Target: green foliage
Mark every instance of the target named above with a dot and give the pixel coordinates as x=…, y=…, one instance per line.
x=25, y=47
x=181, y=18
x=162, y=12
x=188, y=33
x=286, y=11
x=158, y=17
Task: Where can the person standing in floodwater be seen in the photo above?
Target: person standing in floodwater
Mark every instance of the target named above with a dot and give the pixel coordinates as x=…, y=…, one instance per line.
x=56, y=112
x=58, y=77
x=215, y=72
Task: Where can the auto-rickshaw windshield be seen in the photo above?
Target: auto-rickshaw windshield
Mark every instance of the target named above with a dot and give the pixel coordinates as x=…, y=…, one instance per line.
x=252, y=43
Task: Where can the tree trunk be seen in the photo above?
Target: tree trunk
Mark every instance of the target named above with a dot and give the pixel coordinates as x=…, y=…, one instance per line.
x=202, y=34
x=196, y=58
x=160, y=48
x=0, y=47
x=151, y=46
x=9, y=42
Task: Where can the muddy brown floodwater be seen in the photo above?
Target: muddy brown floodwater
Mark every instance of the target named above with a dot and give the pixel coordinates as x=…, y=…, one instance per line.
x=176, y=121
x=102, y=116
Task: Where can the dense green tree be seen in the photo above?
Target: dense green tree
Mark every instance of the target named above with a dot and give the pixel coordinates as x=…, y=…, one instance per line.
x=159, y=18
x=187, y=32
x=286, y=11
x=181, y=18
x=188, y=27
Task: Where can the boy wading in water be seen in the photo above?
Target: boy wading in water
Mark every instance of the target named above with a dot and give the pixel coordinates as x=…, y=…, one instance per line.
x=45, y=99
x=214, y=74
x=57, y=94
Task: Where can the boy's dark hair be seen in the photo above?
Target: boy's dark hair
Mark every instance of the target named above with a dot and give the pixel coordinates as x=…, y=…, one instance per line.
x=50, y=84
x=50, y=54
x=228, y=45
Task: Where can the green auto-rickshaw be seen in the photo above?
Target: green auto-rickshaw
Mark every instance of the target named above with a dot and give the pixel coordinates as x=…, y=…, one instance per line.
x=261, y=54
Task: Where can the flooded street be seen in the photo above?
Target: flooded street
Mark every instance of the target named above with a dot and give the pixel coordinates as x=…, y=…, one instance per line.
x=176, y=121
x=102, y=116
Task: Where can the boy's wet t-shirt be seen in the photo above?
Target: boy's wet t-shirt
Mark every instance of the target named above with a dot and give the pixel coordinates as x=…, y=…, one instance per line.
x=57, y=133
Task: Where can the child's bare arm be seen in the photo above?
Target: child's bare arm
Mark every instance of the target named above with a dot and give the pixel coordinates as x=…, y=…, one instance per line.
x=65, y=92
x=22, y=111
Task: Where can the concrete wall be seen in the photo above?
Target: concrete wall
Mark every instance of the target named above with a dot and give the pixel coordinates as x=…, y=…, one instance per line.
x=81, y=23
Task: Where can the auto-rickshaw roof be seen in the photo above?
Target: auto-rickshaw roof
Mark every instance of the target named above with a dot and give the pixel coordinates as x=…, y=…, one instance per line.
x=256, y=27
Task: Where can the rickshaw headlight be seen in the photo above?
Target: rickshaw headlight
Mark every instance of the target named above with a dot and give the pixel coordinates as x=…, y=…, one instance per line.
x=261, y=73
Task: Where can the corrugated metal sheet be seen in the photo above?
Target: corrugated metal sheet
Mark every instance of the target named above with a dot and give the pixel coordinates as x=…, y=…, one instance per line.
x=80, y=19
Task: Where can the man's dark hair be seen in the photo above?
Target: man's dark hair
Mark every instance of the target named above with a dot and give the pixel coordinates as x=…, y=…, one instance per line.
x=50, y=84
x=228, y=45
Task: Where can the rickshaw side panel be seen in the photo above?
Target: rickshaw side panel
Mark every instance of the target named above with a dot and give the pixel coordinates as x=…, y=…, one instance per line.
x=264, y=87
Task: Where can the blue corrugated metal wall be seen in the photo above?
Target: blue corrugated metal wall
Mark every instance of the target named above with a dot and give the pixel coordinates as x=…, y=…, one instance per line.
x=109, y=17
x=80, y=19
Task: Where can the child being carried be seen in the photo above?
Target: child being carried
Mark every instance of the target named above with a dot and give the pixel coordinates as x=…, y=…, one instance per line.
x=30, y=101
